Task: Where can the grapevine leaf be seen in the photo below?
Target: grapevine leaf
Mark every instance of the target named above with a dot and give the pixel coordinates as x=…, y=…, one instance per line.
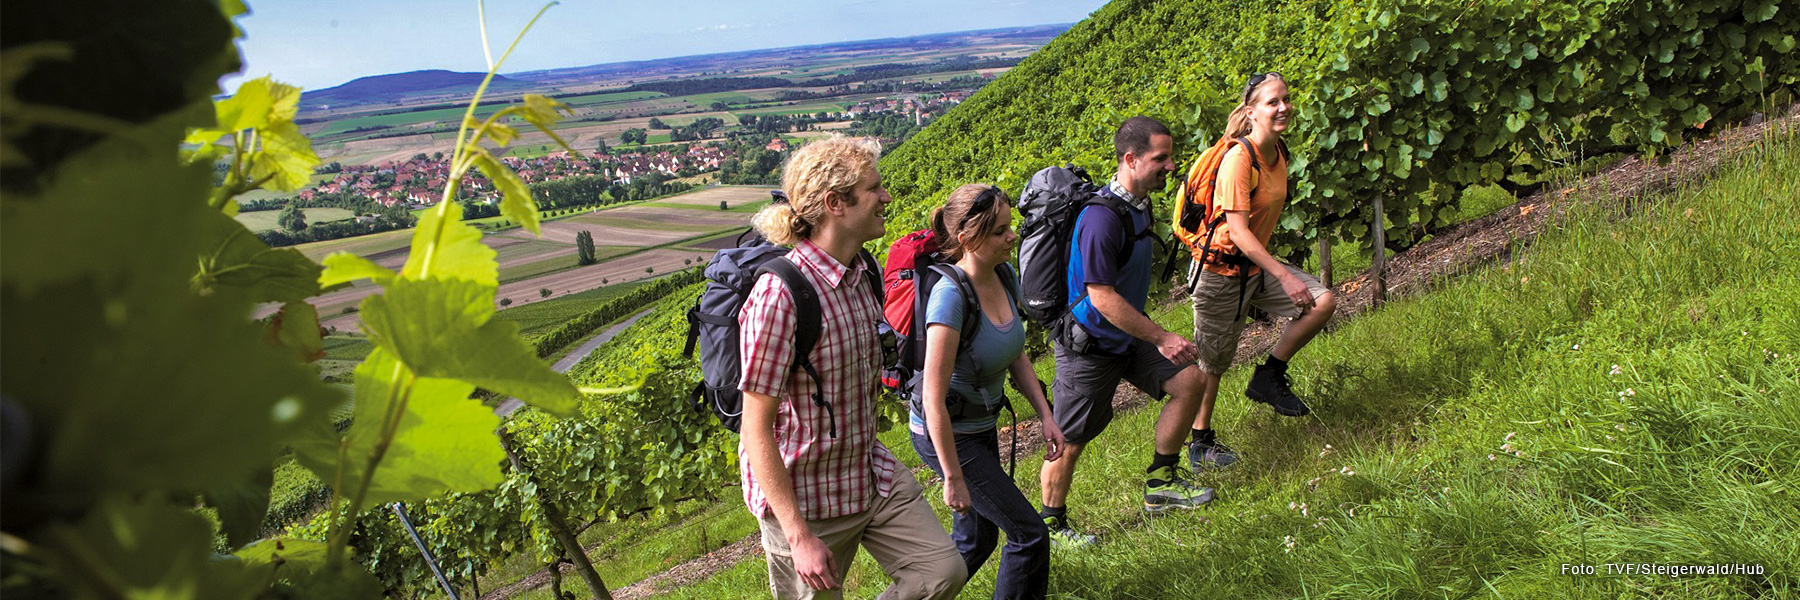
x=298, y=569
x=495, y=131
x=237, y=259
x=344, y=267
x=541, y=112
x=242, y=508
x=517, y=204
x=1515, y=122
x=1417, y=47
x=286, y=158
x=444, y=328
x=147, y=550
x=453, y=249
x=1413, y=83
x=296, y=327
x=249, y=108
x=442, y=440
x=90, y=333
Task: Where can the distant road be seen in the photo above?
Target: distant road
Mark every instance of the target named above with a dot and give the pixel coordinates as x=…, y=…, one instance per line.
x=562, y=366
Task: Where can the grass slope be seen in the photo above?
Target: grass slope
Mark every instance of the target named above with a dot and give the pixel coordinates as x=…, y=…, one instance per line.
x=1625, y=392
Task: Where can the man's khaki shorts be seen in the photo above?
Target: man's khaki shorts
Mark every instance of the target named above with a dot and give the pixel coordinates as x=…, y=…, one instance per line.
x=1221, y=302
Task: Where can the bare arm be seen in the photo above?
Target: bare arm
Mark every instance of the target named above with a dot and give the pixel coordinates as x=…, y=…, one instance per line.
x=1034, y=393
x=812, y=559
x=1246, y=243
x=940, y=360
x=1177, y=348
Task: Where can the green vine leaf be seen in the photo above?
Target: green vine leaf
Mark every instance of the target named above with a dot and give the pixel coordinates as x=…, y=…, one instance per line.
x=452, y=249
x=298, y=568
x=240, y=261
x=441, y=441
x=344, y=267
x=517, y=203
x=147, y=550
x=444, y=328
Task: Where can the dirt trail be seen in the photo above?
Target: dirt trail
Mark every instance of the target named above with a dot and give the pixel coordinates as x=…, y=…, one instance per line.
x=1454, y=251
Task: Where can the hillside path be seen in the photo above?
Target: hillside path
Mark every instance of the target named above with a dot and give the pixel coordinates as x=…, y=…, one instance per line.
x=1452, y=252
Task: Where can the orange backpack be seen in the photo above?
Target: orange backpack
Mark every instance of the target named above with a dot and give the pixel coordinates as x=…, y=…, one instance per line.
x=1197, y=216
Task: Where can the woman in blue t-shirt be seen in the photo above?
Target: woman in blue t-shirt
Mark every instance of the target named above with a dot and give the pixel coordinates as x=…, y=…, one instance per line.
x=963, y=390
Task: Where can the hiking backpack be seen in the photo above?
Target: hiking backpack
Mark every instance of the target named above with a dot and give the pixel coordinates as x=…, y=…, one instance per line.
x=1050, y=204
x=1197, y=216
x=913, y=268
x=713, y=322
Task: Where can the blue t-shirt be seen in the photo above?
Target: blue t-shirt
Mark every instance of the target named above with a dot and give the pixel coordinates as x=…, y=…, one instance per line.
x=980, y=373
x=1094, y=258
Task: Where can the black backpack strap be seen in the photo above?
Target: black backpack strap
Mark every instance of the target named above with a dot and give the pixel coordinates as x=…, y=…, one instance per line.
x=808, y=321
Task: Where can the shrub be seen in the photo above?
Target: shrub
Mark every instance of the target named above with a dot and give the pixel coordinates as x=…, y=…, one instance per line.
x=506, y=301
x=543, y=292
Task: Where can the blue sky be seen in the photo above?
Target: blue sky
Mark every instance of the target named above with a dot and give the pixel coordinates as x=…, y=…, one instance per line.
x=322, y=43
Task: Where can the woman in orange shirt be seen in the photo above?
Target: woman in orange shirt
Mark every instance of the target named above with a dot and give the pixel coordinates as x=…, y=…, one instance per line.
x=1252, y=190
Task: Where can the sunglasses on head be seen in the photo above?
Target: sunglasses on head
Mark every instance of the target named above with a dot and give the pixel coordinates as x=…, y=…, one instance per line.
x=983, y=202
x=1258, y=79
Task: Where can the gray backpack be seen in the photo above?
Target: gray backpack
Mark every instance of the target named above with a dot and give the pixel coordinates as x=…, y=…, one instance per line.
x=713, y=323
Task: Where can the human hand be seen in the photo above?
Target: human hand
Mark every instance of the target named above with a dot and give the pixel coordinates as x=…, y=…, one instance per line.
x=1296, y=290
x=956, y=494
x=814, y=563
x=1054, y=442
x=1177, y=349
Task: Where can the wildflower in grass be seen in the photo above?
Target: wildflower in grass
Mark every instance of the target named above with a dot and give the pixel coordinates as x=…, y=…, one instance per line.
x=1619, y=426
x=1490, y=457
x=1326, y=451
x=1289, y=542
x=1509, y=436
x=1347, y=471
x=1507, y=448
x=1615, y=370
x=1575, y=347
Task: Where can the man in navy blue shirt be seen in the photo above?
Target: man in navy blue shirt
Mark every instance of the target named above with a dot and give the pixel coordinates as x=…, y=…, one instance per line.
x=1111, y=338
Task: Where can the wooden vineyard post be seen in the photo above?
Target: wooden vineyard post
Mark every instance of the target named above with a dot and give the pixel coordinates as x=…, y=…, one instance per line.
x=1378, y=239
x=1324, y=258
x=559, y=526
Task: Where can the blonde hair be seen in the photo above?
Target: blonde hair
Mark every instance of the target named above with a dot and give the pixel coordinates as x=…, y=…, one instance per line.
x=810, y=175
x=1238, y=124
x=950, y=221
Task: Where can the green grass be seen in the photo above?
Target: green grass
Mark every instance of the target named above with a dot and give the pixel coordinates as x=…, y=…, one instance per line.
x=1480, y=436
x=545, y=314
x=264, y=220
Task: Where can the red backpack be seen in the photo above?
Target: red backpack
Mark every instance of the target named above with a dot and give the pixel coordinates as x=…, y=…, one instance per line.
x=913, y=263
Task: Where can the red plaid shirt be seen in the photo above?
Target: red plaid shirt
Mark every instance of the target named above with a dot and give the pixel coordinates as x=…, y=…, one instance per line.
x=832, y=476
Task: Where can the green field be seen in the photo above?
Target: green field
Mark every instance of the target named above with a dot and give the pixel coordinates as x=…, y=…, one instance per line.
x=452, y=115
x=264, y=220
x=536, y=317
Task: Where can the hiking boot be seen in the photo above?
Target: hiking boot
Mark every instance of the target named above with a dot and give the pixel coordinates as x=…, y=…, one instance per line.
x=1169, y=487
x=1064, y=535
x=1203, y=455
x=1269, y=385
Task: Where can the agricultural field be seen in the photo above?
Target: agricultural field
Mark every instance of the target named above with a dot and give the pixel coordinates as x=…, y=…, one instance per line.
x=264, y=220
x=530, y=263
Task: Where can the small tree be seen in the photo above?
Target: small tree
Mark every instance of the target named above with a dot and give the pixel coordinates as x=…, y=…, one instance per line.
x=543, y=292
x=649, y=269
x=584, y=248
x=506, y=301
x=291, y=218
x=722, y=205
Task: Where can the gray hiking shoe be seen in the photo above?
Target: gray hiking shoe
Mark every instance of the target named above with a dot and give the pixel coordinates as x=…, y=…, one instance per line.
x=1210, y=455
x=1169, y=487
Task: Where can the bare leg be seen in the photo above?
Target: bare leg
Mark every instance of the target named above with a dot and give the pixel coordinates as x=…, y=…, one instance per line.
x=1301, y=330
x=1185, y=390
x=1057, y=475
x=1209, y=392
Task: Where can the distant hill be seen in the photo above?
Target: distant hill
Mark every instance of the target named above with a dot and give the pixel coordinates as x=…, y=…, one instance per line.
x=399, y=86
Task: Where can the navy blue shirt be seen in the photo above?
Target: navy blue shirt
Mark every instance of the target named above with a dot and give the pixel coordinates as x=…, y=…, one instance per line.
x=1100, y=239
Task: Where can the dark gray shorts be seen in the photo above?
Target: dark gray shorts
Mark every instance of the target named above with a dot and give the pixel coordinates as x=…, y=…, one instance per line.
x=1083, y=393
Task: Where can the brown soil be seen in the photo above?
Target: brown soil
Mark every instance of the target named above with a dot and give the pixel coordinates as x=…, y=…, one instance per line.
x=1451, y=252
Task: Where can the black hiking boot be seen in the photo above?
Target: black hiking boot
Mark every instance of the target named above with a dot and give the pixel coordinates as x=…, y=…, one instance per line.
x=1269, y=385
